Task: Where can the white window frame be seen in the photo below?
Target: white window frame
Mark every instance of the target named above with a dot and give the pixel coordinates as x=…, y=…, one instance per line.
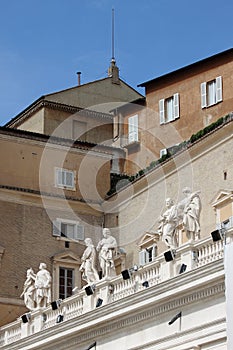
x=61, y=174
x=217, y=91
x=144, y=255
x=78, y=234
x=133, y=128
x=175, y=105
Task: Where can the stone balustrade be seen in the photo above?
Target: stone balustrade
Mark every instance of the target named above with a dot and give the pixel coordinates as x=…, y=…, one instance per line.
x=191, y=254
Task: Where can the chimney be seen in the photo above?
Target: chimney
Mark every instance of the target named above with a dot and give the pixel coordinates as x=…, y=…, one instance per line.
x=113, y=72
x=79, y=78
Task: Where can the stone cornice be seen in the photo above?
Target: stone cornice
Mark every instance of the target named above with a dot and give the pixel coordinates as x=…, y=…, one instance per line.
x=48, y=195
x=42, y=139
x=41, y=103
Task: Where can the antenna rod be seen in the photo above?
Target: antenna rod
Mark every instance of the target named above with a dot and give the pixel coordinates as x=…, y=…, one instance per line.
x=113, y=33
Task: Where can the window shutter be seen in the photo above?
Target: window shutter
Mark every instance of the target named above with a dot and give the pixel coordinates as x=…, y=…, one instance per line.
x=161, y=111
x=56, y=228
x=142, y=257
x=79, y=233
x=59, y=177
x=176, y=106
x=203, y=95
x=154, y=252
x=133, y=128
x=218, y=89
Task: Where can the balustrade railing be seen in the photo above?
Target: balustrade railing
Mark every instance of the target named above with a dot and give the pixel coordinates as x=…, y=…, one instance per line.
x=206, y=251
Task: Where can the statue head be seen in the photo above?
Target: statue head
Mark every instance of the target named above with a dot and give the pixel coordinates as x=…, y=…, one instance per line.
x=186, y=191
x=88, y=241
x=42, y=266
x=169, y=202
x=106, y=232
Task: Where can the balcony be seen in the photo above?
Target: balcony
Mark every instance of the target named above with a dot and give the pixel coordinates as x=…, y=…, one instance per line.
x=117, y=293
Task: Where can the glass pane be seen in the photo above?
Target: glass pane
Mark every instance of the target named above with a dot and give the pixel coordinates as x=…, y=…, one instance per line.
x=70, y=274
x=211, y=92
x=69, y=179
x=169, y=109
x=70, y=230
x=62, y=272
x=63, y=230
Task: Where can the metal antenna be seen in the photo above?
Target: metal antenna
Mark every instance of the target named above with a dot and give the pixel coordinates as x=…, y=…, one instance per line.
x=113, y=55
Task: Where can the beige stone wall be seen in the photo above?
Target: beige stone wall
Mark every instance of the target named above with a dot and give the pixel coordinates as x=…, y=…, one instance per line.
x=97, y=95
x=28, y=169
x=201, y=168
x=61, y=124
x=29, y=164
x=35, y=123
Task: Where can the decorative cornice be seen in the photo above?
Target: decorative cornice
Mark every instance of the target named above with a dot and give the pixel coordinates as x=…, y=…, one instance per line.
x=41, y=103
x=113, y=326
x=47, y=194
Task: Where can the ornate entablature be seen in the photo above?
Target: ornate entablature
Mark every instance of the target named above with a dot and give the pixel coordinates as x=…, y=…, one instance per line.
x=223, y=206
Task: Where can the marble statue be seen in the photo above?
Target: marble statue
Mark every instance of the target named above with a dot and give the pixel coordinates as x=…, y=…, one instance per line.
x=190, y=208
x=168, y=224
x=106, y=248
x=29, y=290
x=37, y=288
x=89, y=263
x=43, y=286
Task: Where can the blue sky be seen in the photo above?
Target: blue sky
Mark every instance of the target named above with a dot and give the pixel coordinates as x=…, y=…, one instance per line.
x=43, y=43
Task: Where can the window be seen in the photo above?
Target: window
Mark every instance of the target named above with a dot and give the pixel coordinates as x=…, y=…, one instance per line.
x=211, y=92
x=65, y=178
x=68, y=229
x=133, y=128
x=147, y=255
x=66, y=282
x=169, y=109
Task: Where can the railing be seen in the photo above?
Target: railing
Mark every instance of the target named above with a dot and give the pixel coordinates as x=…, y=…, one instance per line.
x=10, y=333
x=210, y=252
x=193, y=254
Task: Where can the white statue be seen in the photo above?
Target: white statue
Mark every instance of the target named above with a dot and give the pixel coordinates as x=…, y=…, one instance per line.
x=168, y=224
x=37, y=288
x=107, y=247
x=43, y=286
x=89, y=263
x=29, y=290
x=191, y=208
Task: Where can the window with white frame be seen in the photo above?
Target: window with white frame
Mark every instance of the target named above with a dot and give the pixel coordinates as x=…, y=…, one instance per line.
x=133, y=129
x=147, y=255
x=211, y=92
x=65, y=178
x=66, y=282
x=68, y=229
x=169, y=109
